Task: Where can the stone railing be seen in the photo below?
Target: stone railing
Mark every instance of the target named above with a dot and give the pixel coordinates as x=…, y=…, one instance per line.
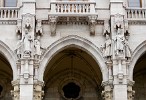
x=136, y=13
x=73, y=7
x=7, y=13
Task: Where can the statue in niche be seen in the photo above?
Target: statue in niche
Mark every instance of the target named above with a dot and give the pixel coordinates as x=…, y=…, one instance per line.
x=27, y=39
x=37, y=47
x=19, y=47
x=119, y=42
x=127, y=48
x=107, y=49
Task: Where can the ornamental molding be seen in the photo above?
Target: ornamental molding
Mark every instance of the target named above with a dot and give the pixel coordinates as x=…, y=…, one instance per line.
x=136, y=22
x=8, y=22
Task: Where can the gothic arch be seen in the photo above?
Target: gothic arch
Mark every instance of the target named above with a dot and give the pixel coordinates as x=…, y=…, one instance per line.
x=73, y=41
x=10, y=56
x=138, y=52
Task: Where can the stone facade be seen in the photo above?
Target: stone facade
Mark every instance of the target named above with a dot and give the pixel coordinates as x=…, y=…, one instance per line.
x=72, y=50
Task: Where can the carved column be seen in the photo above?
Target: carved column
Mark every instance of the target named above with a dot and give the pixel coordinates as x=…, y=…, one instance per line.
x=53, y=23
x=38, y=92
x=130, y=91
x=107, y=92
x=16, y=92
x=92, y=23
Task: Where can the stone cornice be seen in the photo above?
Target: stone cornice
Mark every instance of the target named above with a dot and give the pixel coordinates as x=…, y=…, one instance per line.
x=8, y=22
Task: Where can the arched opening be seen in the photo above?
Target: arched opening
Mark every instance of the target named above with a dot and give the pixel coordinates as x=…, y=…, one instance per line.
x=139, y=76
x=71, y=90
x=72, y=74
x=6, y=76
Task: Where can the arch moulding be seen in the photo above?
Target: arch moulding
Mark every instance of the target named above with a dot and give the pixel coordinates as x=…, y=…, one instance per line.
x=10, y=56
x=73, y=41
x=138, y=52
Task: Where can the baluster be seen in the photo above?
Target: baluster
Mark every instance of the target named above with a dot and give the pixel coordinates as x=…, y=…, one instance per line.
x=83, y=8
x=1, y=13
x=16, y=11
x=89, y=8
x=12, y=13
x=58, y=10
x=61, y=7
x=5, y=11
x=68, y=7
x=132, y=13
x=9, y=12
x=139, y=13
x=73, y=8
x=76, y=8
x=65, y=8
x=136, y=14
x=144, y=13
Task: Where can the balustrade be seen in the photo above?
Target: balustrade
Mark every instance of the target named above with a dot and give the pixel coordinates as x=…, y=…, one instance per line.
x=72, y=7
x=138, y=13
x=9, y=13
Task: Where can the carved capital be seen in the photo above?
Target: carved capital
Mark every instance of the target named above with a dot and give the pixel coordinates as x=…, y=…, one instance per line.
x=15, y=93
x=107, y=92
x=130, y=93
x=92, y=23
x=53, y=23
x=38, y=92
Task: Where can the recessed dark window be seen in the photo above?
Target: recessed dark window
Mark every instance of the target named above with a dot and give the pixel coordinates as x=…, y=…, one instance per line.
x=1, y=89
x=71, y=90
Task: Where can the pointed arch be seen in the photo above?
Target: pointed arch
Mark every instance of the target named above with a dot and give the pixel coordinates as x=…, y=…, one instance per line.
x=10, y=56
x=138, y=52
x=73, y=41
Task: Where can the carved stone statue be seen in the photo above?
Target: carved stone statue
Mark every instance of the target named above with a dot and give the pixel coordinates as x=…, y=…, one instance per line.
x=119, y=43
x=37, y=47
x=127, y=48
x=107, y=50
x=19, y=47
x=27, y=39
